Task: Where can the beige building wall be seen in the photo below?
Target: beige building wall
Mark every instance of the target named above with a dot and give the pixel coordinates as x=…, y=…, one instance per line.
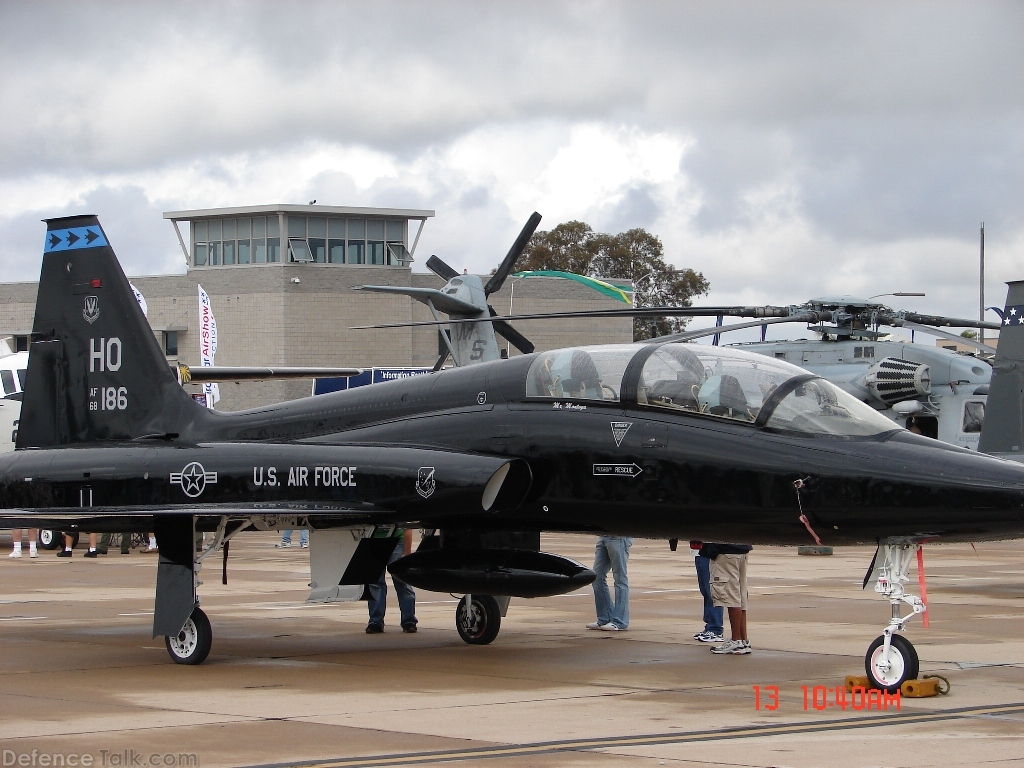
x=302, y=315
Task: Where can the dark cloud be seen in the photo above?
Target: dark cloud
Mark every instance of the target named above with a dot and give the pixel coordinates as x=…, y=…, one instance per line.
x=638, y=207
x=113, y=85
x=831, y=142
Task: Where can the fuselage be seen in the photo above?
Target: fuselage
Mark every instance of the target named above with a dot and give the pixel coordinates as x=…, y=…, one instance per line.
x=616, y=455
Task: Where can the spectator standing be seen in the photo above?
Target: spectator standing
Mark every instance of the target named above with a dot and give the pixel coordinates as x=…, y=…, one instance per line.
x=69, y=541
x=611, y=553
x=286, y=539
x=729, y=591
x=377, y=605
x=713, y=626
x=126, y=540
x=33, y=536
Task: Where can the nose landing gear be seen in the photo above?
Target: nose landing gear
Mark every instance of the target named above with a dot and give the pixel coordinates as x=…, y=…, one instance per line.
x=891, y=659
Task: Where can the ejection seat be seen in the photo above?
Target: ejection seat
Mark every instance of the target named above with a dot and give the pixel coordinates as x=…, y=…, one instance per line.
x=722, y=395
x=584, y=380
x=682, y=391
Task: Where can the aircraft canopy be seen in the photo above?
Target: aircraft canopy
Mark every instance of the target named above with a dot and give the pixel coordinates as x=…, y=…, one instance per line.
x=713, y=381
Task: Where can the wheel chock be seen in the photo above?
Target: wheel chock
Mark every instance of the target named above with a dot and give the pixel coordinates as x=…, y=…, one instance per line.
x=809, y=550
x=925, y=687
x=856, y=681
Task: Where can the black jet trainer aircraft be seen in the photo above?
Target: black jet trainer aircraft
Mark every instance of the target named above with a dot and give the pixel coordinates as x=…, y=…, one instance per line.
x=662, y=440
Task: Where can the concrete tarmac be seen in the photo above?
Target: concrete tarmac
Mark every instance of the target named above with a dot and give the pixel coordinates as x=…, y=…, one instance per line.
x=81, y=679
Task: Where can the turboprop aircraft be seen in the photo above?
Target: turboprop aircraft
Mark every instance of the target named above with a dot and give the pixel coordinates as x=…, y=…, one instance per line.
x=662, y=440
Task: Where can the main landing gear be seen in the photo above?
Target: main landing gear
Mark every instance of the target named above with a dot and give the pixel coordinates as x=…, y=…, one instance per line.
x=891, y=658
x=478, y=619
x=192, y=644
x=187, y=633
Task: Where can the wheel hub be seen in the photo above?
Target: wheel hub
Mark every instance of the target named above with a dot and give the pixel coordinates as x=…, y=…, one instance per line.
x=888, y=672
x=185, y=642
x=472, y=619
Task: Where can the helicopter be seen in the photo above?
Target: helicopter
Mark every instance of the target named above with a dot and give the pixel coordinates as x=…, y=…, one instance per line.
x=941, y=393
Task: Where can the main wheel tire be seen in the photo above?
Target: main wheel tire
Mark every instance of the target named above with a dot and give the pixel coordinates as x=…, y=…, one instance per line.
x=50, y=539
x=192, y=644
x=479, y=623
x=903, y=663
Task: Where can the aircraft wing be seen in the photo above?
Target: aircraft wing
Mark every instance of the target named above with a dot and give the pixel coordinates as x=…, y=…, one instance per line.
x=442, y=302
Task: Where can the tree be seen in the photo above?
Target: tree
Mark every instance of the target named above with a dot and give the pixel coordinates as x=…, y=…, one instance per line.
x=634, y=255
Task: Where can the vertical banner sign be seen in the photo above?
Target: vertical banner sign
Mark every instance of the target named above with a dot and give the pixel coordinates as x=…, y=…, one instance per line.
x=141, y=299
x=207, y=344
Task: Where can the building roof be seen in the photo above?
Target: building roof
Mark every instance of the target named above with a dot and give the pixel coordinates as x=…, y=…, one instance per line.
x=338, y=210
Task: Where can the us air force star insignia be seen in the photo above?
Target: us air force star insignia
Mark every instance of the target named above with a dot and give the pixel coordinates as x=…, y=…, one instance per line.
x=193, y=479
x=91, y=311
x=619, y=430
x=425, y=484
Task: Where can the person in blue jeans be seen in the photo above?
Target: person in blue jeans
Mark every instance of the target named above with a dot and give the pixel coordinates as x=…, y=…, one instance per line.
x=286, y=539
x=379, y=597
x=611, y=553
x=713, y=617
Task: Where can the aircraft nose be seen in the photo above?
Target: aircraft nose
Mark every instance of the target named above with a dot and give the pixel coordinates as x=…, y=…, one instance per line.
x=956, y=477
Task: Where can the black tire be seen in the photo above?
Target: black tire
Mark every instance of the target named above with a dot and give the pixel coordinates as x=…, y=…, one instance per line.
x=904, y=661
x=192, y=644
x=50, y=539
x=478, y=625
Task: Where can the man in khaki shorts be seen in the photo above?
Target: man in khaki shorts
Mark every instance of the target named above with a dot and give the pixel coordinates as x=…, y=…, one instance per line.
x=729, y=590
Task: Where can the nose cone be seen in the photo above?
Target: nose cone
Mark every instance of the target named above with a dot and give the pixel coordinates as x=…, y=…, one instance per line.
x=911, y=485
x=941, y=463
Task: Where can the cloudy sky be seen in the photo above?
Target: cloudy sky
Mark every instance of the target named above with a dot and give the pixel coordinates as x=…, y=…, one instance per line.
x=786, y=150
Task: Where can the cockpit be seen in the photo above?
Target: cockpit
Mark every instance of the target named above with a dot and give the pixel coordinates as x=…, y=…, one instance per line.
x=705, y=381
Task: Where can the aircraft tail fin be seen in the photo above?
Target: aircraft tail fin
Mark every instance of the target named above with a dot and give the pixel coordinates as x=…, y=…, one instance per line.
x=1002, y=432
x=95, y=370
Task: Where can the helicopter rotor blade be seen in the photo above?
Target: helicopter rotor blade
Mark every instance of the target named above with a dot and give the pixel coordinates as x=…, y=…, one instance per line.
x=440, y=269
x=510, y=334
x=507, y=264
x=810, y=317
x=441, y=361
x=780, y=312
x=513, y=337
x=948, y=322
x=951, y=336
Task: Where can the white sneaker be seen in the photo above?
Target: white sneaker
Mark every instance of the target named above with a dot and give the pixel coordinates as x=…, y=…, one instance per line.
x=708, y=637
x=33, y=553
x=283, y=545
x=595, y=625
x=735, y=647
x=15, y=553
x=304, y=545
x=609, y=627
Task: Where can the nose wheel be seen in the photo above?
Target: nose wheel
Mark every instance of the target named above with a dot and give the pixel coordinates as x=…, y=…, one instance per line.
x=891, y=659
x=192, y=644
x=478, y=619
x=888, y=668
